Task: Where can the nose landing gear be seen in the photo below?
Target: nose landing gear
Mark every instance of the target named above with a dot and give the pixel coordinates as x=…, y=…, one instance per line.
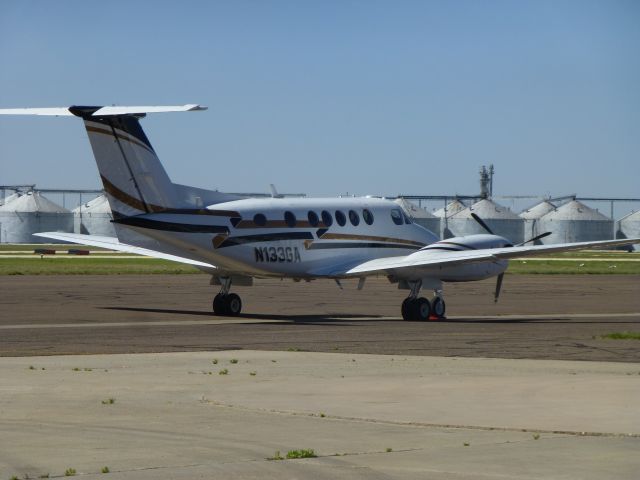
x=419, y=309
x=225, y=303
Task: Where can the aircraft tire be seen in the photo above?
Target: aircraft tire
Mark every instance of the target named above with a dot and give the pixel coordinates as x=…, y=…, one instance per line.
x=407, y=309
x=220, y=304
x=438, y=307
x=233, y=305
x=421, y=309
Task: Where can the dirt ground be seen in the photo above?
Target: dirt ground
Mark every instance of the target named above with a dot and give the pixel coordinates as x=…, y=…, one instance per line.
x=538, y=316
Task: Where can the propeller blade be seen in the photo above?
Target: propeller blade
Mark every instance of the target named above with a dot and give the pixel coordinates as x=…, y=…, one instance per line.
x=498, y=287
x=481, y=222
x=537, y=237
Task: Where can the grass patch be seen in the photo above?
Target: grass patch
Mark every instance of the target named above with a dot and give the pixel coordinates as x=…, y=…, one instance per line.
x=70, y=472
x=233, y=360
x=302, y=453
x=622, y=336
x=253, y=374
x=532, y=266
x=214, y=361
x=224, y=371
x=276, y=456
x=91, y=266
x=105, y=470
x=109, y=401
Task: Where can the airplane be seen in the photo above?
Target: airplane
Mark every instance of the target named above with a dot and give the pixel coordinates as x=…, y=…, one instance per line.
x=236, y=239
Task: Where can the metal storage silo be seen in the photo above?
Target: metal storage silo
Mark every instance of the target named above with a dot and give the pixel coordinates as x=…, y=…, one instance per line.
x=420, y=215
x=629, y=227
x=31, y=213
x=575, y=222
x=531, y=218
x=500, y=220
x=9, y=198
x=94, y=218
x=452, y=208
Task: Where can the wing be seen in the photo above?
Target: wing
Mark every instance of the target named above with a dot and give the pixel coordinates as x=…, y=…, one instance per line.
x=430, y=259
x=112, y=243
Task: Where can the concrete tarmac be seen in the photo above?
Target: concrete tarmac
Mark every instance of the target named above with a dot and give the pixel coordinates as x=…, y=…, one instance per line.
x=173, y=415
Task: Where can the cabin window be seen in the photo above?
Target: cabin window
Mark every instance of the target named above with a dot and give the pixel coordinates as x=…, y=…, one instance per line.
x=340, y=218
x=289, y=219
x=260, y=220
x=327, y=219
x=354, y=218
x=396, y=216
x=367, y=216
x=313, y=218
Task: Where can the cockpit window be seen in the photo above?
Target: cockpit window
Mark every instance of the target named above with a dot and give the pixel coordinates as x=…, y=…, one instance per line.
x=368, y=216
x=396, y=216
x=259, y=219
x=327, y=219
x=407, y=220
x=340, y=218
x=313, y=218
x=289, y=219
x=354, y=218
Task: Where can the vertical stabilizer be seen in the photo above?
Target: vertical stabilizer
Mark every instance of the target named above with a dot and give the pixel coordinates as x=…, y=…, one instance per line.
x=133, y=177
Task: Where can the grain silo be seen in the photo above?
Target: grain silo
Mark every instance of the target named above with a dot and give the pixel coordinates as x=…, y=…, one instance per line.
x=499, y=219
x=575, y=222
x=531, y=218
x=94, y=218
x=9, y=198
x=420, y=215
x=445, y=213
x=31, y=213
x=629, y=227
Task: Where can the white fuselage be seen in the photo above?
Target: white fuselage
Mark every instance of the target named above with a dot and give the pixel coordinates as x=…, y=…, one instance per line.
x=303, y=237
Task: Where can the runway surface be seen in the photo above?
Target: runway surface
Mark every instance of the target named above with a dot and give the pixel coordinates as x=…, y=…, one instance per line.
x=538, y=316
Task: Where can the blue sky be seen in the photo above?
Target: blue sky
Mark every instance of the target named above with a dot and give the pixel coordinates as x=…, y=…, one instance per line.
x=365, y=97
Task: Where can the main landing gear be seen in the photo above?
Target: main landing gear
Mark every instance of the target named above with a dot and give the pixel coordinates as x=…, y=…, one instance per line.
x=419, y=309
x=226, y=303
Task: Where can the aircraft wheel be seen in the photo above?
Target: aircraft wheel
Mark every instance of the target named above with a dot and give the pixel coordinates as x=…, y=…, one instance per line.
x=219, y=304
x=422, y=309
x=407, y=309
x=438, y=307
x=233, y=304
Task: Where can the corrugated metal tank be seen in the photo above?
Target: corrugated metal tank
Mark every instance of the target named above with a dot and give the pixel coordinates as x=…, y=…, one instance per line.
x=31, y=213
x=452, y=208
x=575, y=222
x=531, y=218
x=629, y=227
x=94, y=218
x=420, y=215
x=500, y=220
x=9, y=198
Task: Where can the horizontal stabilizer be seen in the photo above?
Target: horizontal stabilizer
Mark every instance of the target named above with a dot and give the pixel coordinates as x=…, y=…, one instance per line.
x=100, y=111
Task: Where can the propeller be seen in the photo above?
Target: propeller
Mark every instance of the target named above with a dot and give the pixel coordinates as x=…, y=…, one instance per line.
x=481, y=222
x=501, y=276
x=537, y=237
x=498, y=287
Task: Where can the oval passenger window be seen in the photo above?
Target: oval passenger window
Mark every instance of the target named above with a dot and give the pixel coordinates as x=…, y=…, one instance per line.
x=259, y=219
x=354, y=218
x=289, y=219
x=327, y=219
x=313, y=218
x=368, y=216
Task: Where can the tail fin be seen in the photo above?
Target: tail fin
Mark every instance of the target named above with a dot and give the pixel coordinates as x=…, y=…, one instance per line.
x=133, y=177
